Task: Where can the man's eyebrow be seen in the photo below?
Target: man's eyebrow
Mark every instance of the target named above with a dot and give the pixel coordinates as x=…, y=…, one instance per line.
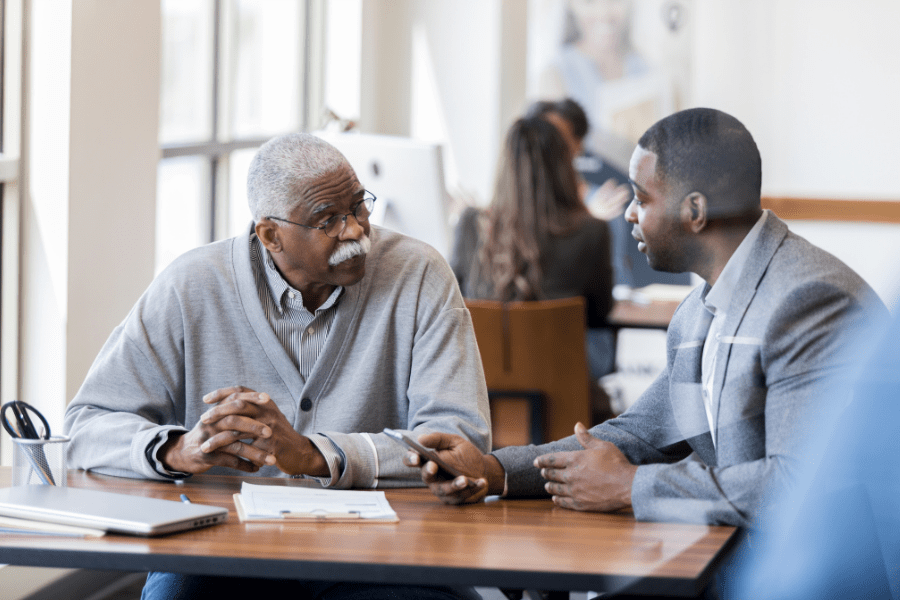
x=636, y=186
x=318, y=208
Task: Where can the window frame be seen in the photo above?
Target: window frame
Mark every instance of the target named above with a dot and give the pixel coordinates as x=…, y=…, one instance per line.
x=221, y=144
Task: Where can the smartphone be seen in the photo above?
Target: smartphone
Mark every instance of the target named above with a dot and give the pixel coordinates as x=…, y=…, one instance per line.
x=426, y=453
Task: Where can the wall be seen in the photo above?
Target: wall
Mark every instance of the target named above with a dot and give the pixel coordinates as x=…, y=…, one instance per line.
x=816, y=83
x=447, y=71
x=91, y=186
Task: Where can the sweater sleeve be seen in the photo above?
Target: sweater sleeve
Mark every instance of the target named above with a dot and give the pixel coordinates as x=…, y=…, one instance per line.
x=127, y=402
x=645, y=434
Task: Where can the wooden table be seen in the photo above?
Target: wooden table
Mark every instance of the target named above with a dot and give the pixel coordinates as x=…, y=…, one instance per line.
x=506, y=543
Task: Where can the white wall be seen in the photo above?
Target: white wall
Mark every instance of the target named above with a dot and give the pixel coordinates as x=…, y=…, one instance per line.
x=451, y=71
x=91, y=187
x=816, y=82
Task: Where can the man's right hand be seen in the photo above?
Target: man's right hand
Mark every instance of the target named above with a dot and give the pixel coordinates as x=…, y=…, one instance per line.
x=483, y=474
x=217, y=444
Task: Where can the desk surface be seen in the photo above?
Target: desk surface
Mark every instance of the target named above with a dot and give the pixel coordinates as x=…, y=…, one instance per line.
x=655, y=314
x=505, y=543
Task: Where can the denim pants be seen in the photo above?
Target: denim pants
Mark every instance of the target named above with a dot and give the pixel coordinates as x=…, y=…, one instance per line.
x=174, y=586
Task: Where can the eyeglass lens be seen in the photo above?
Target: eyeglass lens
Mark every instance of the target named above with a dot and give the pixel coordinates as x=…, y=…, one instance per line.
x=362, y=211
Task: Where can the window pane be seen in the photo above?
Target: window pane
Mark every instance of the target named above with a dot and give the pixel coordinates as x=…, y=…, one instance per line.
x=266, y=71
x=239, y=216
x=187, y=71
x=182, y=207
x=343, y=56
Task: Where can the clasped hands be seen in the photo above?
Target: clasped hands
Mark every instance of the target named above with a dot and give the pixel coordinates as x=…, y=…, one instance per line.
x=242, y=430
x=597, y=478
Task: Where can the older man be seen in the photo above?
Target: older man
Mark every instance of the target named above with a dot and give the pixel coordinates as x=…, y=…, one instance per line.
x=749, y=352
x=286, y=351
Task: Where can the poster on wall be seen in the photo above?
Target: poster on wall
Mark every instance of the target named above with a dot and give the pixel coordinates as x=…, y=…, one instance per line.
x=626, y=62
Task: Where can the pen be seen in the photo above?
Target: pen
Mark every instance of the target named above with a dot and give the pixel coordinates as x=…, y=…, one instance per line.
x=185, y=499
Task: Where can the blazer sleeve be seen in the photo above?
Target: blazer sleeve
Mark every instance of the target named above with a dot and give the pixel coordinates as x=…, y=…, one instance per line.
x=644, y=433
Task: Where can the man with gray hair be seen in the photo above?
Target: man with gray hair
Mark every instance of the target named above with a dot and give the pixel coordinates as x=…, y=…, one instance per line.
x=285, y=351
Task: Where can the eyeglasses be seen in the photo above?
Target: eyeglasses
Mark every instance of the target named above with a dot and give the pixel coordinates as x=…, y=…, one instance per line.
x=334, y=226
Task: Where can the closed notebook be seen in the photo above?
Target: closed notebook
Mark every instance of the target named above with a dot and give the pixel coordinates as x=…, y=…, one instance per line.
x=115, y=513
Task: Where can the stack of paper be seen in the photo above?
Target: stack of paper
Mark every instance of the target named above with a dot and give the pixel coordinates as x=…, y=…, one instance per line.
x=14, y=526
x=279, y=503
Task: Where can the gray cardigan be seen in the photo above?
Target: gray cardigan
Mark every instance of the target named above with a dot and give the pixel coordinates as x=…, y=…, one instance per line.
x=401, y=354
x=793, y=317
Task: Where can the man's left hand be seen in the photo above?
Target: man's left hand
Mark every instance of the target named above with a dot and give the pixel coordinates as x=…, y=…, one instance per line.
x=597, y=478
x=294, y=453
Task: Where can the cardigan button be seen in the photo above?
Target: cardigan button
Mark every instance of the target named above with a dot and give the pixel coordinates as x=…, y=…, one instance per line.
x=306, y=405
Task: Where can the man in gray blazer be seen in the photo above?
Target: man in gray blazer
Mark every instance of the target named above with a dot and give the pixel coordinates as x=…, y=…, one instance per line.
x=748, y=352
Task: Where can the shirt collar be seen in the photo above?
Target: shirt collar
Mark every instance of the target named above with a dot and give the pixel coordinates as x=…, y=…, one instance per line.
x=278, y=287
x=718, y=297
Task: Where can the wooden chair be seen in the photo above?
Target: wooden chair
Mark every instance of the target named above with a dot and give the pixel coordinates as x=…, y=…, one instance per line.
x=535, y=366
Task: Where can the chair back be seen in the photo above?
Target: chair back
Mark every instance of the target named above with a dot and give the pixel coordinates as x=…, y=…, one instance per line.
x=528, y=346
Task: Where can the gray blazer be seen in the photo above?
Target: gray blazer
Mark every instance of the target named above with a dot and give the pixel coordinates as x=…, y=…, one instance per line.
x=794, y=317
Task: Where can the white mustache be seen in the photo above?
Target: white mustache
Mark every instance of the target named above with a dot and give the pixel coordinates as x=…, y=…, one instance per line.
x=351, y=249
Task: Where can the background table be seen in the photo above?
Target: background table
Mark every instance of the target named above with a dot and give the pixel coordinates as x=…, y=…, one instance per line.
x=654, y=314
x=505, y=543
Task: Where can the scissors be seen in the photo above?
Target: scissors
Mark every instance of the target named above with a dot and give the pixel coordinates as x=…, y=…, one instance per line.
x=21, y=426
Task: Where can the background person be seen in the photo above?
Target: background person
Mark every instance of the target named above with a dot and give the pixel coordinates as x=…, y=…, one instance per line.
x=750, y=352
x=284, y=352
x=537, y=240
x=606, y=192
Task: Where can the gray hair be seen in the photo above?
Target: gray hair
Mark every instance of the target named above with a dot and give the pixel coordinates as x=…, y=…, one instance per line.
x=281, y=167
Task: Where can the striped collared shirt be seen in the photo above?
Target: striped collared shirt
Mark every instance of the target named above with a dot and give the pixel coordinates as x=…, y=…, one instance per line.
x=301, y=333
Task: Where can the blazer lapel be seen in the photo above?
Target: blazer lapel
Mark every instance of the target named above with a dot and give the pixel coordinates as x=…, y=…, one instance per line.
x=770, y=237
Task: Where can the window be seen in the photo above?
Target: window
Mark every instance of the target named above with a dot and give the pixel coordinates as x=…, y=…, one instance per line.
x=234, y=74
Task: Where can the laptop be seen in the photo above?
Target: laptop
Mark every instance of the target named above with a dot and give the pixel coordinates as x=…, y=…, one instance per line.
x=115, y=513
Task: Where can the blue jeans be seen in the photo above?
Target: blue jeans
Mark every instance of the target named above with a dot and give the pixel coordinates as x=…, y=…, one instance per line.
x=174, y=586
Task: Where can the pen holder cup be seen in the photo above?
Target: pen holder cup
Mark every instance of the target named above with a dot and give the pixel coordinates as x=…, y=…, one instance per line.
x=39, y=462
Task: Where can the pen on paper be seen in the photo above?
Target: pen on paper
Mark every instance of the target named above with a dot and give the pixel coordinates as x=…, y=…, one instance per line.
x=185, y=499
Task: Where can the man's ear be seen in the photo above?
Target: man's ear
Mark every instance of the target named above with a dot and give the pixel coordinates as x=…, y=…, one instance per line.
x=694, y=212
x=269, y=235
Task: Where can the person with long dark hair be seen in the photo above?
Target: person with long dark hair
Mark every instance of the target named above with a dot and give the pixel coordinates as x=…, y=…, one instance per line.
x=536, y=240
